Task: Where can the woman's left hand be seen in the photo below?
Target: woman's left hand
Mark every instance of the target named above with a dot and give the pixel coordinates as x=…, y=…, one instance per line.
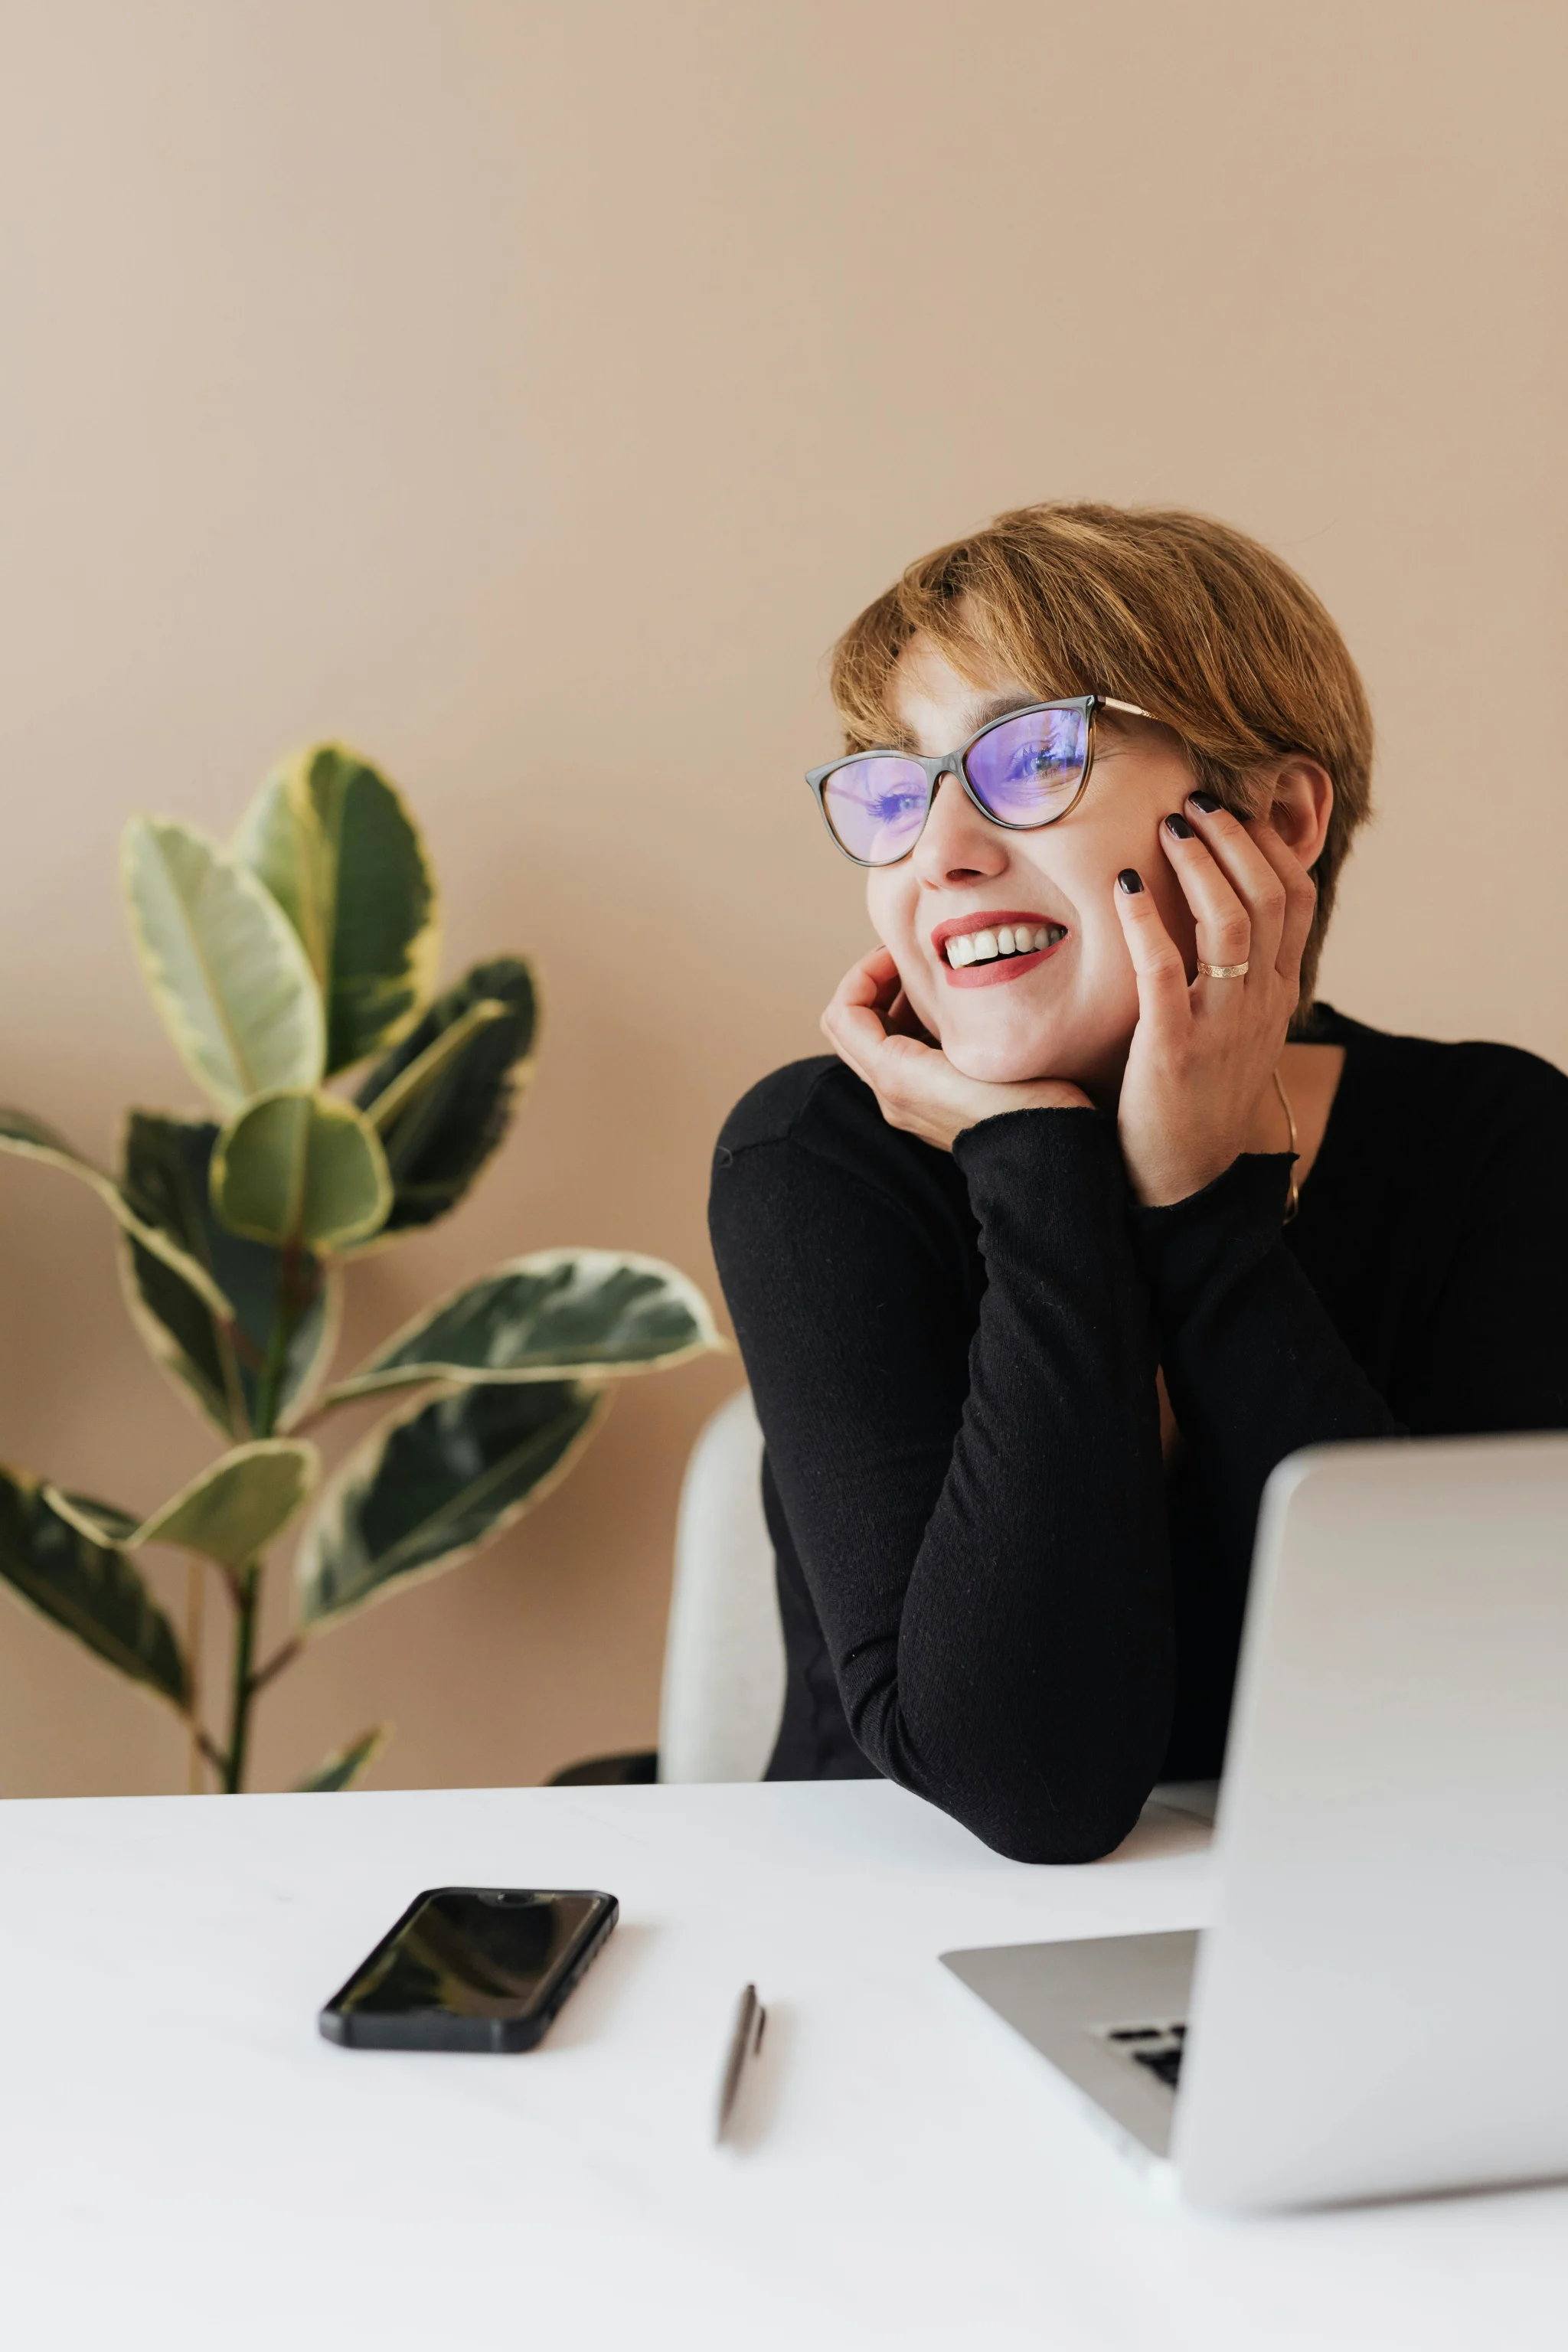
x=1204, y=1050
x=869, y=1025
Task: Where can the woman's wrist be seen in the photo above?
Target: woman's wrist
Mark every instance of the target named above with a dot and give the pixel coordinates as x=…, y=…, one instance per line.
x=1073, y=1099
x=1051, y=1145
x=1183, y=1247
x=987, y=1103
x=1164, y=1178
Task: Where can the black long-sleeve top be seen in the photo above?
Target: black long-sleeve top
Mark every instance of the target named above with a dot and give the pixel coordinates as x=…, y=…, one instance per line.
x=993, y=1591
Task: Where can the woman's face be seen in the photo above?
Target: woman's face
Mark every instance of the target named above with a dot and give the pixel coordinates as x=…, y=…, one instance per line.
x=1071, y=1013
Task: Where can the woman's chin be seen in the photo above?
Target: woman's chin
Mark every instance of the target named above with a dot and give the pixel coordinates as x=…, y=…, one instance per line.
x=997, y=1064
x=1005, y=1052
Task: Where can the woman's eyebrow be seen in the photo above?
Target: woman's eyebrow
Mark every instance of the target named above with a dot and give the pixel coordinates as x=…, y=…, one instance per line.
x=901, y=738
x=999, y=705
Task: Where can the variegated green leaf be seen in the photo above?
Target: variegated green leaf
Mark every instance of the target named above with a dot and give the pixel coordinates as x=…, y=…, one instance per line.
x=53, y=1560
x=104, y=1522
x=343, y=1767
x=427, y=1488
x=337, y=848
x=228, y=976
x=301, y=1168
x=442, y=1100
x=29, y=1138
x=216, y=1360
x=556, y=1315
x=235, y=1506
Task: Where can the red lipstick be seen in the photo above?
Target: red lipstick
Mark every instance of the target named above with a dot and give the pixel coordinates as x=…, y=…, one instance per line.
x=995, y=970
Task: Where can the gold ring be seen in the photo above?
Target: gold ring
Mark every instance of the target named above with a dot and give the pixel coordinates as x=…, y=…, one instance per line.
x=1222, y=970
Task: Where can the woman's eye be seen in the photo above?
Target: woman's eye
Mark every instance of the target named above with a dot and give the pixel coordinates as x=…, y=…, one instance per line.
x=1029, y=765
x=891, y=807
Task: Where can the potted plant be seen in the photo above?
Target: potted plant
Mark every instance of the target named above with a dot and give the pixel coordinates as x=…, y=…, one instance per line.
x=353, y=1103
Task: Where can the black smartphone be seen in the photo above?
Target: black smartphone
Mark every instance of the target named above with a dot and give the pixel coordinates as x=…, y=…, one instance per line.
x=471, y=1968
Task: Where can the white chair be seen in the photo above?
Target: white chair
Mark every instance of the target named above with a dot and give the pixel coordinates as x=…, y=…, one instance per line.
x=723, y=1650
x=723, y=1653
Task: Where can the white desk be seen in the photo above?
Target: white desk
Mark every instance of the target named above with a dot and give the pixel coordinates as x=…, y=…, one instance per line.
x=183, y=2163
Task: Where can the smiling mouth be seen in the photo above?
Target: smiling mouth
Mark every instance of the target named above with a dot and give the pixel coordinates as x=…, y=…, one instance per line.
x=988, y=941
x=982, y=950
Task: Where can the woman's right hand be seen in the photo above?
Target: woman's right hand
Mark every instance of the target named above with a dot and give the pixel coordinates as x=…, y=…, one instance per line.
x=1205, y=1050
x=869, y=1025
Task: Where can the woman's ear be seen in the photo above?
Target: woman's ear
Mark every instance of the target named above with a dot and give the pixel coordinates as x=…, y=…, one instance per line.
x=1303, y=803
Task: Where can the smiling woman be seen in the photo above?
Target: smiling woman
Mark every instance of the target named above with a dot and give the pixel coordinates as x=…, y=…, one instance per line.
x=1031, y=1285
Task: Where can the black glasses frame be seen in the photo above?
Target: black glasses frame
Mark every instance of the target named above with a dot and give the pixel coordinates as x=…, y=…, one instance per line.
x=952, y=763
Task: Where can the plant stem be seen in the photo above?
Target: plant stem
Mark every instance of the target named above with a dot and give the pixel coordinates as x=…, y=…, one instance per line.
x=275, y=1664
x=247, y=1605
x=270, y=1386
x=245, y=1587
x=195, y=1594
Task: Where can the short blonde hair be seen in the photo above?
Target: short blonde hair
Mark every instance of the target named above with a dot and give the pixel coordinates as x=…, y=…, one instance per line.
x=1203, y=627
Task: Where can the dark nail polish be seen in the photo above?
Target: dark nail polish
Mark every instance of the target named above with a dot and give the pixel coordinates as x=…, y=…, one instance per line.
x=1177, y=823
x=1131, y=882
x=1205, y=802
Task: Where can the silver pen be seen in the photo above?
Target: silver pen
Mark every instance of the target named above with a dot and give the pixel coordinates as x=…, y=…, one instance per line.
x=745, y=2044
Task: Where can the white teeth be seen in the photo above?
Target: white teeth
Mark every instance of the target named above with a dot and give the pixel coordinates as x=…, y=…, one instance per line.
x=1009, y=938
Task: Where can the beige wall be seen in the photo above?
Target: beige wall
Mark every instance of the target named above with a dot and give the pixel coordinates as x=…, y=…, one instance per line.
x=528, y=393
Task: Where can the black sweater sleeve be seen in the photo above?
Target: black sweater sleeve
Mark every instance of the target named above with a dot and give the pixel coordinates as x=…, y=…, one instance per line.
x=983, y=1540
x=973, y=1484
x=1254, y=1367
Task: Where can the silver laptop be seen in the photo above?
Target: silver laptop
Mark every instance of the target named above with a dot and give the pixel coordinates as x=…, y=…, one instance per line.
x=1378, y=2009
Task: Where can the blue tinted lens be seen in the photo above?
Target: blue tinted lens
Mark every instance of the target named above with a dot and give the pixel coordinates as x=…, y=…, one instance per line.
x=877, y=806
x=1025, y=771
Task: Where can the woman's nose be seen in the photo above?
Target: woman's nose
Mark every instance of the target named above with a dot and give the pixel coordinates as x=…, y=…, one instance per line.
x=957, y=844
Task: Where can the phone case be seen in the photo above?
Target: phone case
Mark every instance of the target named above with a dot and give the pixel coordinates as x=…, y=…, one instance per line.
x=438, y=2029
